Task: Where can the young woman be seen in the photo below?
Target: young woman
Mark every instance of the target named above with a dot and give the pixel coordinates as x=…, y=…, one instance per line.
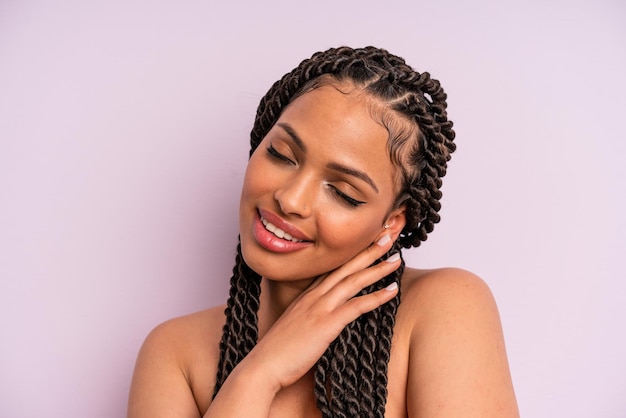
x=348, y=152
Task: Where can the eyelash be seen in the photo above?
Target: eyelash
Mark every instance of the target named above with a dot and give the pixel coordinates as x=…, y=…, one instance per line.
x=278, y=156
x=271, y=151
x=345, y=198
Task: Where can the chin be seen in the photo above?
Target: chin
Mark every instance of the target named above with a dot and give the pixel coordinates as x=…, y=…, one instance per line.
x=278, y=267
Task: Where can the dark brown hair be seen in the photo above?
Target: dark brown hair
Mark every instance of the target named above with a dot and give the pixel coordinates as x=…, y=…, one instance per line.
x=351, y=376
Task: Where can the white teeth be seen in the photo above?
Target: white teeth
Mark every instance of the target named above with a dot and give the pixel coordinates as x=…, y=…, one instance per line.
x=277, y=231
x=270, y=227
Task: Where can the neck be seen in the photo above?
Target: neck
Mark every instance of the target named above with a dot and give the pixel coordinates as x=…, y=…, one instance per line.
x=275, y=299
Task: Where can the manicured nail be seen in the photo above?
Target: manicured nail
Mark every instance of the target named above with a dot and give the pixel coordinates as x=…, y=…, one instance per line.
x=393, y=286
x=384, y=240
x=393, y=258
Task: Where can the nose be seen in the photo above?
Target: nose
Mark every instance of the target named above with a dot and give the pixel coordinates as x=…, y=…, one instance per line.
x=296, y=196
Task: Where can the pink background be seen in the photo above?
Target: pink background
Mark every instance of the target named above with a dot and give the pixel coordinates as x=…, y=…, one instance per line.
x=123, y=140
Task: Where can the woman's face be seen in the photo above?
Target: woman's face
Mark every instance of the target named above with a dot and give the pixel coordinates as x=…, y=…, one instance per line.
x=322, y=176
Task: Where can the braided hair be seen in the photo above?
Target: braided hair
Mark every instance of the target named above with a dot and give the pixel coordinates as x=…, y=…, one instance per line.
x=351, y=376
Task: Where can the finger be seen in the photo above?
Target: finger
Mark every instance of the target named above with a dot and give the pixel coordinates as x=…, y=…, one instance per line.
x=354, y=283
x=315, y=283
x=359, y=262
x=359, y=305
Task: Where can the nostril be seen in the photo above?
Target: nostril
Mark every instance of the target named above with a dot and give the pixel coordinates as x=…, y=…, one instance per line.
x=294, y=200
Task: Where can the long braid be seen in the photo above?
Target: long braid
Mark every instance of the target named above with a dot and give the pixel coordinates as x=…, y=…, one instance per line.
x=240, y=332
x=368, y=339
x=351, y=376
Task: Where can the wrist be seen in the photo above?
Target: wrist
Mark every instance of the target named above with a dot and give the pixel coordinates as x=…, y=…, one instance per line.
x=257, y=375
x=247, y=392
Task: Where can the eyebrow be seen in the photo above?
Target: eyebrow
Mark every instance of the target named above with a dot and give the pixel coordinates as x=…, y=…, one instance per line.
x=353, y=172
x=287, y=128
x=333, y=166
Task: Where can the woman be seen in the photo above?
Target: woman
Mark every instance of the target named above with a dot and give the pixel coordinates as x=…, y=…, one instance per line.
x=348, y=152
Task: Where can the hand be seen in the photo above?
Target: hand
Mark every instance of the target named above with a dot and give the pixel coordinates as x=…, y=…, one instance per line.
x=315, y=318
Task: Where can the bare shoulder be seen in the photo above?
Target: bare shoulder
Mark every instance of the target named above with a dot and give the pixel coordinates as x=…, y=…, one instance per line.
x=458, y=364
x=445, y=279
x=451, y=295
x=438, y=290
x=178, y=334
x=179, y=357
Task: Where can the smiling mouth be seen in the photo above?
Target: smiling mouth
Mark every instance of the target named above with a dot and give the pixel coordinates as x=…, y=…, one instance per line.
x=277, y=231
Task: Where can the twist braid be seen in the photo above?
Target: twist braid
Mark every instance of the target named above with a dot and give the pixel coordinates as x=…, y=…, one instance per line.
x=368, y=339
x=415, y=96
x=240, y=332
x=354, y=339
x=338, y=354
x=351, y=376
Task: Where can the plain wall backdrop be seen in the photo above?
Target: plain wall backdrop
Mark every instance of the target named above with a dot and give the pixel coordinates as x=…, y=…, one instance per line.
x=123, y=140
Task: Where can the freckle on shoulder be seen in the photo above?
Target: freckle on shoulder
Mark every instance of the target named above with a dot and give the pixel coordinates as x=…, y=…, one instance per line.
x=437, y=289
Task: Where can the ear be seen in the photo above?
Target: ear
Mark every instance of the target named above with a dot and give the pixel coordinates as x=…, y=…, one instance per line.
x=395, y=222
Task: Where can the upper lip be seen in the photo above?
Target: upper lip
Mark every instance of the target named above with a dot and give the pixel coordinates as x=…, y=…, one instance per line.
x=279, y=223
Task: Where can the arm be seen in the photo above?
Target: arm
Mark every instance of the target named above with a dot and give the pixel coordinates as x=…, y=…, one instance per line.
x=458, y=363
x=299, y=337
x=161, y=387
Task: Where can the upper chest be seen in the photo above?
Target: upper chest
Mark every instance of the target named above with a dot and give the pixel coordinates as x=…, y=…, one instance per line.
x=298, y=400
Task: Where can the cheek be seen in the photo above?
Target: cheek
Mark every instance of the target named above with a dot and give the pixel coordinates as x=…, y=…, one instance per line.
x=342, y=246
x=253, y=183
x=349, y=233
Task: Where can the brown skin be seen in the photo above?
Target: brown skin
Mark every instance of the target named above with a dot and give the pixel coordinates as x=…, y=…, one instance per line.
x=334, y=129
x=447, y=357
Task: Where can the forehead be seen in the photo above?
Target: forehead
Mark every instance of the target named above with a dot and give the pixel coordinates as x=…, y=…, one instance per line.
x=344, y=115
x=340, y=126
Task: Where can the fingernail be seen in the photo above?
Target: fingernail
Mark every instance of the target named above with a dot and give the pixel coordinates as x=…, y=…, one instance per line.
x=393, y=286
x=384, y=240
x=393, y=258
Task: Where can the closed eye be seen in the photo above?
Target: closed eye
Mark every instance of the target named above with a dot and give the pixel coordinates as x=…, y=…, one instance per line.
x=271, y=151
x=344, y=197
